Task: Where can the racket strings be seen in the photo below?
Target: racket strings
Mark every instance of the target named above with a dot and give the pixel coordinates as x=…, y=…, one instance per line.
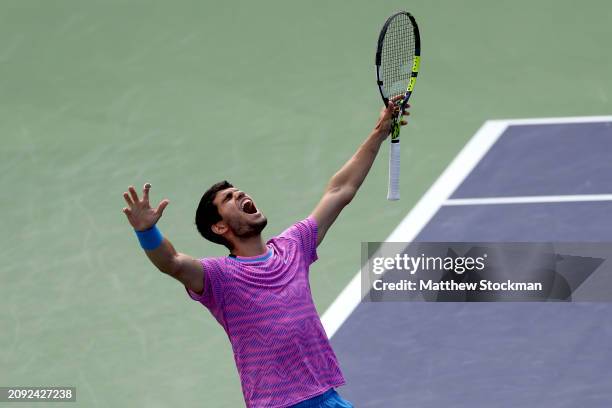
x=397, y=56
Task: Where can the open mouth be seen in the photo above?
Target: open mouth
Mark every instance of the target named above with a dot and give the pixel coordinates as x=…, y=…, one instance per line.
x=248, y=206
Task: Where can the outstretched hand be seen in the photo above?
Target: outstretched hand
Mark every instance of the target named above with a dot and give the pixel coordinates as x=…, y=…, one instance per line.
x=386, y=116
x=139, y=212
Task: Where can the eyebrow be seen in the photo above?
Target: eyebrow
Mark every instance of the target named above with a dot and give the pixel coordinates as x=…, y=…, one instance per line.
x=228, y=195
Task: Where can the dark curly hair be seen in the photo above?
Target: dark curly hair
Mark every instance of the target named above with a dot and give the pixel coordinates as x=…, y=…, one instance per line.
x=207, y=214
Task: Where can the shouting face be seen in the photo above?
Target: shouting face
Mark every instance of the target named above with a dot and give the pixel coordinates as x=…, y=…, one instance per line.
x=239, y=214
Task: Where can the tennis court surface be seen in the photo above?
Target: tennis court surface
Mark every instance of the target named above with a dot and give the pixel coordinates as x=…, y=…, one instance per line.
x=515, y=181
x=98, y=96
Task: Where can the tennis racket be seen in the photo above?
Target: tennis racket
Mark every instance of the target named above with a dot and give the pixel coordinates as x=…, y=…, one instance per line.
x=397, y=64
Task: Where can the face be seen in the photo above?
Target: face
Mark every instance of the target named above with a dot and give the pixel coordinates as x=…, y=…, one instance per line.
x=238, y=214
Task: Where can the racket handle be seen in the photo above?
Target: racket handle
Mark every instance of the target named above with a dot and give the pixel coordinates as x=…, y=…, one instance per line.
x=394, y=171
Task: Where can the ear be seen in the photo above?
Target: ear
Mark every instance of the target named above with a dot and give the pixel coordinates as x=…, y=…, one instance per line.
x=219, y=228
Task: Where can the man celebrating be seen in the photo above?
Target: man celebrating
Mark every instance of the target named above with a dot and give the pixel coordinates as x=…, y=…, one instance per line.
x=260, y=293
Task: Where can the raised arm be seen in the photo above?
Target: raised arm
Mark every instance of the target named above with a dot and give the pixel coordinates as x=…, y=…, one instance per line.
x=162, y=254
x=343, y=186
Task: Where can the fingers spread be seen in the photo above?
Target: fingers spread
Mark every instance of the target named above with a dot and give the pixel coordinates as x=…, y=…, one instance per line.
x=128, y=200
x=162, y=206
x=133, y=194
x=145, y=192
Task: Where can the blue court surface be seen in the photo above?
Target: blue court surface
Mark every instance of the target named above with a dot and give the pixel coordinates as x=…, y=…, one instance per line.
x=517, y=180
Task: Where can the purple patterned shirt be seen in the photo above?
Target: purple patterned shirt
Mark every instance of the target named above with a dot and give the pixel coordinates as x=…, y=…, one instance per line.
x=264, y=304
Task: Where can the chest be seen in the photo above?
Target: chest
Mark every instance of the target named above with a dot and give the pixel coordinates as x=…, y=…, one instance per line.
x=278, y=286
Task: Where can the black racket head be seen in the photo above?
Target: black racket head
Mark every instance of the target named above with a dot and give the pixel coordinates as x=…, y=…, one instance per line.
x=398, y=56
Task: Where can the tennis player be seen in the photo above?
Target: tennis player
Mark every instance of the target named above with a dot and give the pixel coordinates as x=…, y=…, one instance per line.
x=260, y=293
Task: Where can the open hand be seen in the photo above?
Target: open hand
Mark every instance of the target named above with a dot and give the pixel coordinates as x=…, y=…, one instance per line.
x=139, y=213
x=386, y=116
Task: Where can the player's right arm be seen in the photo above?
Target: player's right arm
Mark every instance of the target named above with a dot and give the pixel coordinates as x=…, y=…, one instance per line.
x=142, y=217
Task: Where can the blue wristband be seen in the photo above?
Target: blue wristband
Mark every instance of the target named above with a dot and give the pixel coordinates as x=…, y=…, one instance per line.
x=150, y=239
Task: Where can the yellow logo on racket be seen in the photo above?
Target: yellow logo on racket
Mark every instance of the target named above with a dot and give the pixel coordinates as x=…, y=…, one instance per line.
x=411, y=84
x=416, y=63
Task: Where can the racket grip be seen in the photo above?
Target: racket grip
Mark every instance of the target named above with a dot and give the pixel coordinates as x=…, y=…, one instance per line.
x=394, y=171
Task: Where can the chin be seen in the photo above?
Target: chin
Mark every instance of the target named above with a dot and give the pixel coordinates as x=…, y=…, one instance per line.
x=262, y=220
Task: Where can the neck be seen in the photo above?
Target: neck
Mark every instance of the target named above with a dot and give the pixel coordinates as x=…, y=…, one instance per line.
x=253, y=246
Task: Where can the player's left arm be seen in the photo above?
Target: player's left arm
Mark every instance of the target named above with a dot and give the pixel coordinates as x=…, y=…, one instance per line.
x=343, y=186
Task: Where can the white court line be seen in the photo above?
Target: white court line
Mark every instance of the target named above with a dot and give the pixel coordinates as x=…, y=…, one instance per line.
x=554, y=121
x=346, y=302
x=528, y=199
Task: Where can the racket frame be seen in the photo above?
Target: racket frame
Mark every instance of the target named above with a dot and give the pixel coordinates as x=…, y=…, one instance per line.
x=394, y=154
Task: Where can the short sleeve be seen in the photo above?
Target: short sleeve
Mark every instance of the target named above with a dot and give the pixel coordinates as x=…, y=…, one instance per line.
x=211, y=294
x=305, y=233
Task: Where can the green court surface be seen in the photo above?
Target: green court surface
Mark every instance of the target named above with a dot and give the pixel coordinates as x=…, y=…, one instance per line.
x=271, y=95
